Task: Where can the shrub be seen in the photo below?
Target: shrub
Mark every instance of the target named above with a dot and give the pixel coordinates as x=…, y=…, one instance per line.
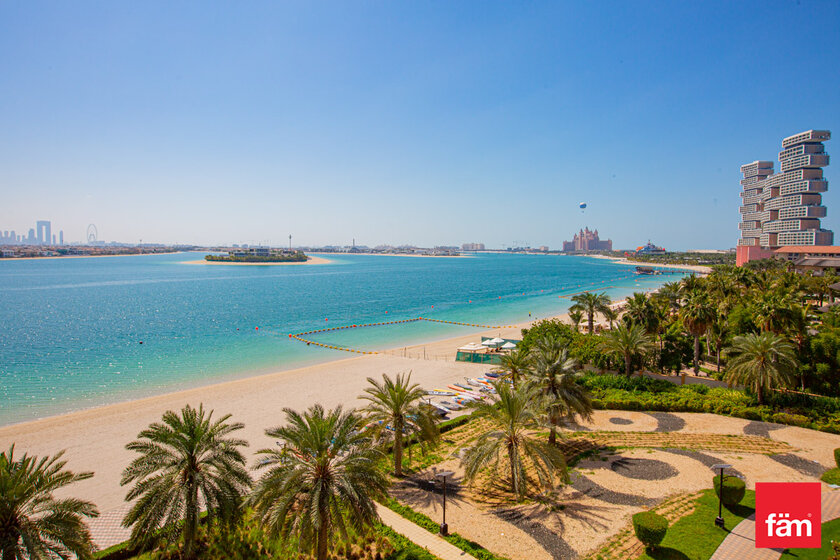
x=650, y=528
x=831, y=476
x=837, y=457
x=733, y=490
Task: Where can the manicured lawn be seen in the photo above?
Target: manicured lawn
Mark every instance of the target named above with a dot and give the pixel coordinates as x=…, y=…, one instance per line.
x=695, y=537
x=830, y=532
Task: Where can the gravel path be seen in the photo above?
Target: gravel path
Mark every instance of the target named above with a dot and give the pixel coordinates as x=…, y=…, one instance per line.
x=667, y=422
x=643, y=469
x=763, y=429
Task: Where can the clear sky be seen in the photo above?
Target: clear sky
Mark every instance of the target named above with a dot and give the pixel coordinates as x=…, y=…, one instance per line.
x=406, y=122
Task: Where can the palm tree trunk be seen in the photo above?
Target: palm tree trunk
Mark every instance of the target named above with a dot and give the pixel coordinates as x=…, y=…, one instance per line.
x=552, y=435
x=628, y=364
x=190, y=521
x=398, y=448
x=9, y=552
x=696, y=354
x=591, y=317
x=760, y=395
x=514, y=482
x=323, y=533
x=717, y=349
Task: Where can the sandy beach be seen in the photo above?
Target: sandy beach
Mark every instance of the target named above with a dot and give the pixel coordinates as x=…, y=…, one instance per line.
x=309, y=260
x=624, y=260
x=95, y=439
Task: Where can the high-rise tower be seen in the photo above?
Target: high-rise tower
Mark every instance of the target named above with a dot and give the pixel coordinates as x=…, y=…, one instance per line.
x=784, y=208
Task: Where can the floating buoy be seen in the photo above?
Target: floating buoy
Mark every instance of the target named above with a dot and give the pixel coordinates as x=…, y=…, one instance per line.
x=290, y=336
x=141, y=342
x=256, y=328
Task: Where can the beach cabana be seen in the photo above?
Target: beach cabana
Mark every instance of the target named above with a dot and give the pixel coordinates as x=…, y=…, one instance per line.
x=471, y=347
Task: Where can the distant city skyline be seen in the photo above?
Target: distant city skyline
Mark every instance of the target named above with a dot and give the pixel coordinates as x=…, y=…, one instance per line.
x=426, y=124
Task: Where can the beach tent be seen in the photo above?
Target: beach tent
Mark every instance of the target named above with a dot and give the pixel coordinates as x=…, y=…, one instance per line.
x=508, y=346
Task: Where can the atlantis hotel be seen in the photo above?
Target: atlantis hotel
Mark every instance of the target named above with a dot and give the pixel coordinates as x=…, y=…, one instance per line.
x=784, y=209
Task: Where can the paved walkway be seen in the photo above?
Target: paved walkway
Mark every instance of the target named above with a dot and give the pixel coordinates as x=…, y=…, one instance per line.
x=740, y=543
x=107, y=530
x=420, y=536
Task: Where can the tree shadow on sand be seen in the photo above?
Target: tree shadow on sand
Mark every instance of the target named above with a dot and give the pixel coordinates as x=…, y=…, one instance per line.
x=763, y=429
x=534, y=520
x=592, y=489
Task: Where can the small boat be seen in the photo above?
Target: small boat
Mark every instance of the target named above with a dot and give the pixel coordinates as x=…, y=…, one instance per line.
x=473, y=382
x=440, y=392
x=494, y=375
x=441, y=410
x=463, y=391
x=451, y=405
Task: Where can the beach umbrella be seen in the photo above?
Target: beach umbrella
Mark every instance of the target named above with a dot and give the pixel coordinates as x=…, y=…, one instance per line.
x=498, y=341
x=508, y=346
x=488, y=342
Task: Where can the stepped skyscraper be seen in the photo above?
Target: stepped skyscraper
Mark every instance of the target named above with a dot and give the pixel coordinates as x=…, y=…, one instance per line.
x=784, y=209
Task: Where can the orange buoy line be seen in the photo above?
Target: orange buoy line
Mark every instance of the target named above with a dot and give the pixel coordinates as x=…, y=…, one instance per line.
x=299, y=336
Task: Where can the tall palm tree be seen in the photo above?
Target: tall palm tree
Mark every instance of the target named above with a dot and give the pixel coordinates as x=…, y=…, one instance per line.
x=639, y=310
x=761, y=362
x=774, y=311
x=590, y=304
x=396, y=409
x=717, y=333
x=187, y=462
x=323, y=478
x=611, y=315
x=576, y=316
x=628, y=342
x=516, y=364
x=34, y=524
x=669, y=294
x=554, y=377
x=510, y=440
x=697, y=314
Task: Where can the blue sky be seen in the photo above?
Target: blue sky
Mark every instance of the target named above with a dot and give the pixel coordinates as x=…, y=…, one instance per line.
x=405, y=122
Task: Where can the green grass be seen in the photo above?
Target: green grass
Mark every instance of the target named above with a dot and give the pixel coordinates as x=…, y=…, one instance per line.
x=830, y=532
x=695, y=536
x=831, y=476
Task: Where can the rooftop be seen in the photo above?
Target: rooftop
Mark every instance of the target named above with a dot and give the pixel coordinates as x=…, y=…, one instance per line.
x=822, y=249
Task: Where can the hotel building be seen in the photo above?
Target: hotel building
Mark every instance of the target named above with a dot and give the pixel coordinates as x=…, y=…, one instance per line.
x=784, y=209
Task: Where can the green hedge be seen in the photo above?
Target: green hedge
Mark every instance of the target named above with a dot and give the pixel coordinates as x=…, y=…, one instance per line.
x=615, y=392
x=650, y=528
x=733, y=490
x=417, y=518
x=831, y=476
x=837, y=457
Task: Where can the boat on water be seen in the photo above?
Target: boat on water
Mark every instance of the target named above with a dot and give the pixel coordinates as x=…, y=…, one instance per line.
x=647, y=270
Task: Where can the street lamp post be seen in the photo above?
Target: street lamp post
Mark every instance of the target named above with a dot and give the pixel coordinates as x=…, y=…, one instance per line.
x=719, y=518
x=444, y=528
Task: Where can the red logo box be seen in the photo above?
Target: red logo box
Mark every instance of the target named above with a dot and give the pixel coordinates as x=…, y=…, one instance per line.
x=788, y=515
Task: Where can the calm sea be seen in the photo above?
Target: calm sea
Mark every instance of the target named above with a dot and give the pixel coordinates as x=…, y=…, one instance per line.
x=71, y=330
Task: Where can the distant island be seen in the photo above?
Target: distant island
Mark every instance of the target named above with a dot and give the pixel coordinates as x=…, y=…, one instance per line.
x=259, y=255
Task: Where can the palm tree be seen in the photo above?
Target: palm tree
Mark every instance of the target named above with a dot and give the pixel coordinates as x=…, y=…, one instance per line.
x=697, y=314
x=718, y=333
x=186, y=463
x=576, y=316
x=516, y=364
x=397, y=410
x=510, y=440
x=555, y=379
x=761, y=362
x=628, y=342
x=639, y=310
x=774, y=311
x=669, y=294
x=590, y=304
x=324, y=477
x=611, y=315
x=34, y=524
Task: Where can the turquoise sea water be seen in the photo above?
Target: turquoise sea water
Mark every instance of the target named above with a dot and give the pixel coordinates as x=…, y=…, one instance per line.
x=70, y=329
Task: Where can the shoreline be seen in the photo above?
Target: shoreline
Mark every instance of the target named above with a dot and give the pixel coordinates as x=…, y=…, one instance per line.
x=12, y=259
x=701, y=269
x=397, y=255
x=309, y=260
